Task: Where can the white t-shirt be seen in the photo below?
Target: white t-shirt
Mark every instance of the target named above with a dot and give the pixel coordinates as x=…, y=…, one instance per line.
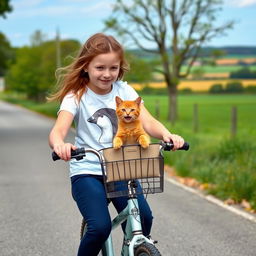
x=96, y=123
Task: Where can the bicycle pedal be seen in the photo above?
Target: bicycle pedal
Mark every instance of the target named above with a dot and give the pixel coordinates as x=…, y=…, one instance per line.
x=152, y=240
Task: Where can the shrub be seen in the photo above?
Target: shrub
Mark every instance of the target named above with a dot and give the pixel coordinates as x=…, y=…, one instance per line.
x=154, y=91
x=250, y=89
x=216, y=88
x=245, y=73
x=185, y=91
x=235, y=172
x=234, y=87
x=197, y=73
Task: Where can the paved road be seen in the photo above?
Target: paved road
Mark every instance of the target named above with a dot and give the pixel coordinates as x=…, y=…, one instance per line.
x=38, y=215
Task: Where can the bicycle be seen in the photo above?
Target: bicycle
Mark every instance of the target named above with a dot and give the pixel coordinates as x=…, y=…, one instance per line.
x=129, y=171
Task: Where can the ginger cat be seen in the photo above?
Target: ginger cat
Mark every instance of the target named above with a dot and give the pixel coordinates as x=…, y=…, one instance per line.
x=130, y=130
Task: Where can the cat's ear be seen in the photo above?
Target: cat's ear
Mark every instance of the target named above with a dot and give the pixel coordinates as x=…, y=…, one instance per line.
x=138, y=100
x=118, y=101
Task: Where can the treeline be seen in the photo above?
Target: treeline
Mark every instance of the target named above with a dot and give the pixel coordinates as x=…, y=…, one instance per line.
x=230, y=50
x=244, y=73
x=33, y=70
x=205, y=51
x=232, y=87
x=30, y=70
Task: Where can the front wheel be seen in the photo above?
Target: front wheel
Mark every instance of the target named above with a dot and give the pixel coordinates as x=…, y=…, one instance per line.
x=146, y=249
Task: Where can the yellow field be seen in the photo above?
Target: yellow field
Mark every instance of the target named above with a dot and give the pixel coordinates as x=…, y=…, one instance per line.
x=200, y=85
x=235, y=61
x=213, y=76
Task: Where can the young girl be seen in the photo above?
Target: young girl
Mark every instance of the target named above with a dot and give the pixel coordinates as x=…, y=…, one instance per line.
x=87, y=94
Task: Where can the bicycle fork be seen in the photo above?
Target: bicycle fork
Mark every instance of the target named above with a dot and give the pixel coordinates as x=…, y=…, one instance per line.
x=133, y=233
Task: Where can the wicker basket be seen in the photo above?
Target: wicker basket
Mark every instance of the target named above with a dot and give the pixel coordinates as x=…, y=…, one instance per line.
x=132, y=162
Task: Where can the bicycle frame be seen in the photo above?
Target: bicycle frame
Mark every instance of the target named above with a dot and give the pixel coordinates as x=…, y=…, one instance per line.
x=133, y=233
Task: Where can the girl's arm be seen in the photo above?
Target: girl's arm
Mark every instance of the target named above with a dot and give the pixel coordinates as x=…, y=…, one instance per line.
x=157, y=130
x=59, y=133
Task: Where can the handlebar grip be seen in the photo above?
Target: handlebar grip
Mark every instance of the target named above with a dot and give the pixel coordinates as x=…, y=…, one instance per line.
x=77, y=153
x=55, y=156
x=169, y=146
x=185, y=146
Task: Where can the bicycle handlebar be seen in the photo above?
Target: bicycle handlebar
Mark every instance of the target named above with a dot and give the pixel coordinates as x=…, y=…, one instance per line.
x=168, y=146
x=79, y=153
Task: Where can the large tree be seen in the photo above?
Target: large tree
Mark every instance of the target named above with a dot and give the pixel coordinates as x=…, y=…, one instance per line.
x=33, y=73
x=5, y=7
x=6, y=54
x=178, y=29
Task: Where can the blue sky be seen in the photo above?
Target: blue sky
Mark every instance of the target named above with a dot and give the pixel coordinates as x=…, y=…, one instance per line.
x=78, y=19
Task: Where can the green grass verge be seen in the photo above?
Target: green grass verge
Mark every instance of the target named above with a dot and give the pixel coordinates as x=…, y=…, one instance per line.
x=49, y=109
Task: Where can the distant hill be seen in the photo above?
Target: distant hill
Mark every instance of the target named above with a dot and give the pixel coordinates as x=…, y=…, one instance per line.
x=206, y=51
x=232, y=50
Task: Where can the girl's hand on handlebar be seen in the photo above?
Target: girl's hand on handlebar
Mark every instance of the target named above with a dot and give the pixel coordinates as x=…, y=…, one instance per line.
x=64, y=150
x=177, y=140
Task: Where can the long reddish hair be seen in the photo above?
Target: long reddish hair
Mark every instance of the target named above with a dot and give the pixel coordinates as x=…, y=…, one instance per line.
x=73, y=78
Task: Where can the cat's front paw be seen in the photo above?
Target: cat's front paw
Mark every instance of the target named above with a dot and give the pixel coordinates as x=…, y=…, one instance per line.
x=144, y=141
x=117, y=143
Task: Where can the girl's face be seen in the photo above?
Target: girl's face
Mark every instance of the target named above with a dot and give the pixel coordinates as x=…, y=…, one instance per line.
x=103, y=71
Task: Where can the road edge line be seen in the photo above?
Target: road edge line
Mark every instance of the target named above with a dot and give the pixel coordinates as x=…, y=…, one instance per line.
x=213, y=200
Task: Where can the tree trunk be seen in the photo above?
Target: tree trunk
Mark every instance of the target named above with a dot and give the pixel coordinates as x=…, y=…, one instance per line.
x=173, y=103
x=171, y=87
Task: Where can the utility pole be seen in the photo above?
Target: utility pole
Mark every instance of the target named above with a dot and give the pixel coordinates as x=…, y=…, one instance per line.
x=58, y=50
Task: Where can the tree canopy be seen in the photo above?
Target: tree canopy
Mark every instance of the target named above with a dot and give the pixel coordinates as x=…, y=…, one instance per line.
x=5, y=7
x=141, y=71
x=33, y=73
x=6, y=54
x=178, y=29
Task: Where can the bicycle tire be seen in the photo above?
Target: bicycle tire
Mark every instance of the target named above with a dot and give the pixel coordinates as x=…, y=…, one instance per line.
x=146, y=249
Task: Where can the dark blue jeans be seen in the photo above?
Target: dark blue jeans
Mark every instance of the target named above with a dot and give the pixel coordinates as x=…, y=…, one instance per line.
x=89, y=193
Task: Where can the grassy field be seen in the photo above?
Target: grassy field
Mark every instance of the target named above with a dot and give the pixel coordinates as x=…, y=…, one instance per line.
x=225, y=166
x=214, y=112
x=219, y=68
x=197, y=85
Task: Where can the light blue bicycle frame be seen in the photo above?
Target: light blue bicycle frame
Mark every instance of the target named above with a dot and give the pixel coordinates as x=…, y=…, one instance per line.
x=133, y=233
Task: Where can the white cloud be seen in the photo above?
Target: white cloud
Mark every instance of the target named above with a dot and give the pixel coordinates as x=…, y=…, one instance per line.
x=102, y=7
x=17, y=35
x=34, y=8
x=17, y=4
x=240, y=3
x=75, y=1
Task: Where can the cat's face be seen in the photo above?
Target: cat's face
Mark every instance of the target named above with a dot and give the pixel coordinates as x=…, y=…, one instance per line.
x=128, y=111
